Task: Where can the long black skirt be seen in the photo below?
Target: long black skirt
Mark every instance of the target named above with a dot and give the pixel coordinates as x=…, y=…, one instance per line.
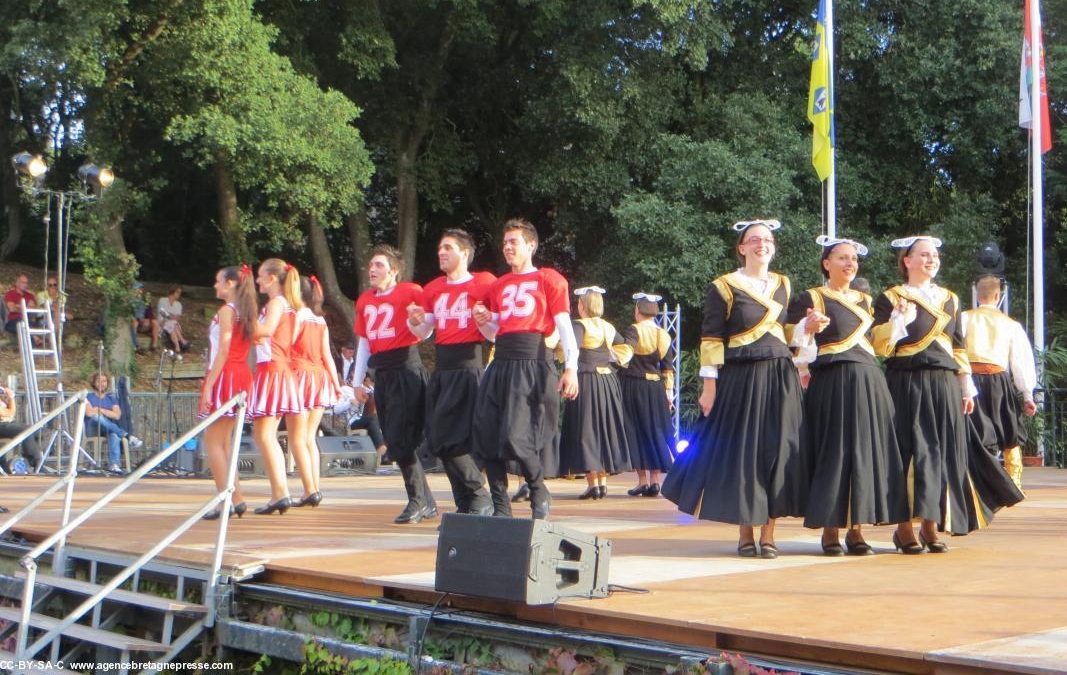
x=517, y=412
x=450, y=400
x=593, y=437
x=744, y=465
x=850, y=443
x=400, y=397
x=998, y=411
x=648, y=423
x=953, y=480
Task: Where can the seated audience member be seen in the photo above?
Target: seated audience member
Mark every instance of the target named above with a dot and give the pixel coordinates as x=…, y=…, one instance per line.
x=101, y=419
x=169, y=312
x=144, y=320
x=51, y=294
x=13, y=302
x=9, y=429
x=361, y=415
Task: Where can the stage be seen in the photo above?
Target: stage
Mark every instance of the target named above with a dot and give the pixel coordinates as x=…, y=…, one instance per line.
x=995, y=603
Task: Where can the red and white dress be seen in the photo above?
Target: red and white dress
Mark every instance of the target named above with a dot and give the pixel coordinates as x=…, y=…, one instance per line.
x=235, y=376
x=313, y=383
x=274, y=388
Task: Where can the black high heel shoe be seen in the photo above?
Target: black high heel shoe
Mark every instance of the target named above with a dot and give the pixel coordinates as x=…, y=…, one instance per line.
x=281, y=506
x=238, y=509
x=591, y=493
x=914, y=548
x=860, y=547
x=934, y=546
x=832, y=549
x=653, y=490
x=638, y=491
x=313, y=499
x=603, y=490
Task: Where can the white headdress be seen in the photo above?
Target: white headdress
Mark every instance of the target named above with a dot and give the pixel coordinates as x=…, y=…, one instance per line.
x=585, y=289
x=829, y=242
x=908, y=242
x=770, y=223
x=651, y=297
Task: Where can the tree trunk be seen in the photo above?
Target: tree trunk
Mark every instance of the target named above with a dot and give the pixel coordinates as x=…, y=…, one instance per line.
x=9, y=193
x=234, y=247
x=359, y=235
x=407, y=200
x=120, y=345
x=324, y=269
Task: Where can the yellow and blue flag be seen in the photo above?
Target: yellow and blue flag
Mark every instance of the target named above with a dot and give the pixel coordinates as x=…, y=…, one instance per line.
x=821, y=100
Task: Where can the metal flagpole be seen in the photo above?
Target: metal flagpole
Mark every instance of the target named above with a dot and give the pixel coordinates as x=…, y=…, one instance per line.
x=831, y=180
x=1035, y=167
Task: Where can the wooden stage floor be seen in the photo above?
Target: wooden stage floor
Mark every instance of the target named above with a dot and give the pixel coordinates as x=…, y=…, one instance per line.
x=996, y=603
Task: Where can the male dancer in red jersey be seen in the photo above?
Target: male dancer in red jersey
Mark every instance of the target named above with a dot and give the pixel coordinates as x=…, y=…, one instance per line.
x=446, y=306
x=522, y=308
x=388, y=345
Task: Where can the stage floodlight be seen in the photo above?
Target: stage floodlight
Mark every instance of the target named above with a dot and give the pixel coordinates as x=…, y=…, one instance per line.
x=990, y=261
x=95, y=176
x=26, y=164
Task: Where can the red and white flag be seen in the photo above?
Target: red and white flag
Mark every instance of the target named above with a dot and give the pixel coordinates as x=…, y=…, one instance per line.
x=1025, y=82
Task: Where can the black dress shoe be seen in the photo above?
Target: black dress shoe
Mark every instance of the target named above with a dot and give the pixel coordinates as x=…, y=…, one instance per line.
x=429, y=512
x=768, y=550
x=281, y=506
x=523, y=495
x=238, y=509
x=934, y=546
x=591, y=493
x=914, y=548
x=4, y=509
x=858, y=547
x=603, y=490
x=411, y=514
x=638, y=491
x=653, y=490
x=540, y=511
x=833, y=549
x=746, y=549
x=313, y=499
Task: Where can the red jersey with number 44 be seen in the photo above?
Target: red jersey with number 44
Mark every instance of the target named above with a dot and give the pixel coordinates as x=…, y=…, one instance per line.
x=528, y=302
x=383, y=319
x=451, y=305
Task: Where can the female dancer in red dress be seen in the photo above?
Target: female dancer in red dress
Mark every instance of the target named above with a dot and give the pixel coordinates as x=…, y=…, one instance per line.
x=317, y=384
x=230, y=337
x=274, y=388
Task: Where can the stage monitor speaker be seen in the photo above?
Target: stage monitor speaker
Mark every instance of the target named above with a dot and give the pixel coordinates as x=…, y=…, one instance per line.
x=346, y=455
x=249, y=461
x=532, y=561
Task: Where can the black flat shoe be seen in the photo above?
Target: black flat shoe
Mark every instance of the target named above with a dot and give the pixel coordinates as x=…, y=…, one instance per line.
x=653, y=490
x=833, y=549
x=603, y=490
x=523, y=495
x=638, y=491
x=746, y=549
x=914, y=548
x=591, y=493
x=768, y=551
x=281, y=506
x=934, y=546
x=858, y=547
x=313, y=499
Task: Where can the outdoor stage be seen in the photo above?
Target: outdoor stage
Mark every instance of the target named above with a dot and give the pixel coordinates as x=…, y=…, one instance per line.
x=996, y=603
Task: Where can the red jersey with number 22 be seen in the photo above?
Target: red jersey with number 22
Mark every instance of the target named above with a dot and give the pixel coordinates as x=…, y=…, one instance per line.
x=383, y=319
x=527, y=303
x=451, y=304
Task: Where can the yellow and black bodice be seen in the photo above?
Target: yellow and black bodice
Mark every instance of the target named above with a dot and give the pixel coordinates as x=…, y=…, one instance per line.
x=743, y=322
x=847, y=337
x=933, y=340
x=653, y=353
x=597, y=342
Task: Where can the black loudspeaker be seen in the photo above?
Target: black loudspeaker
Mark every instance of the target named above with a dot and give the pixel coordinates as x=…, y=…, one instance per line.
x=249, y=461
x=346, y=455
x=530, y=561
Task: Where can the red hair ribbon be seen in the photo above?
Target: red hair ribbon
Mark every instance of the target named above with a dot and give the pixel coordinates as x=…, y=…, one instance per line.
x=289, y=268
x=245, y=271
x=314, y=280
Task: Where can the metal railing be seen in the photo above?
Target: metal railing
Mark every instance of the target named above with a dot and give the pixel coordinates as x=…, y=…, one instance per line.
x=222, y=501
x=1054, y=423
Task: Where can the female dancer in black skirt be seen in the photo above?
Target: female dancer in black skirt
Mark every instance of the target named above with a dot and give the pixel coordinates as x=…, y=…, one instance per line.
x=850, y=442
x=956, y=484
x=594, y=440
x=744, y=465
x=647, y=396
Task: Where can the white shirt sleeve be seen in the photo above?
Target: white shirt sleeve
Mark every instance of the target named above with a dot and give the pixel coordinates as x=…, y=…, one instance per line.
x=362, y=357
x=709, y=372
x=489, y=330
x=1021, y=359
x=424, y=329
x=567, y=340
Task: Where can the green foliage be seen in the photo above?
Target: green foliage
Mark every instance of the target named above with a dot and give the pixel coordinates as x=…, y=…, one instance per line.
x=319, y=661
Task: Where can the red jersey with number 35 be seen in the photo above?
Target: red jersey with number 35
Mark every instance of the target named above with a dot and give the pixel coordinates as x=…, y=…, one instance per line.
x=451, y=305
x=383, y=319
x=528, y=302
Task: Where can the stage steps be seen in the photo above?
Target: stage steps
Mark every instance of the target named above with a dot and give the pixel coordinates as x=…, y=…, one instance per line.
x=128, y=625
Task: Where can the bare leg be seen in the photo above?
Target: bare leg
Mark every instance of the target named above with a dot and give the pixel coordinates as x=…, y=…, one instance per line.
x=296, y=426
x=217, y=439
x=265, y=431
x=314, y=457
